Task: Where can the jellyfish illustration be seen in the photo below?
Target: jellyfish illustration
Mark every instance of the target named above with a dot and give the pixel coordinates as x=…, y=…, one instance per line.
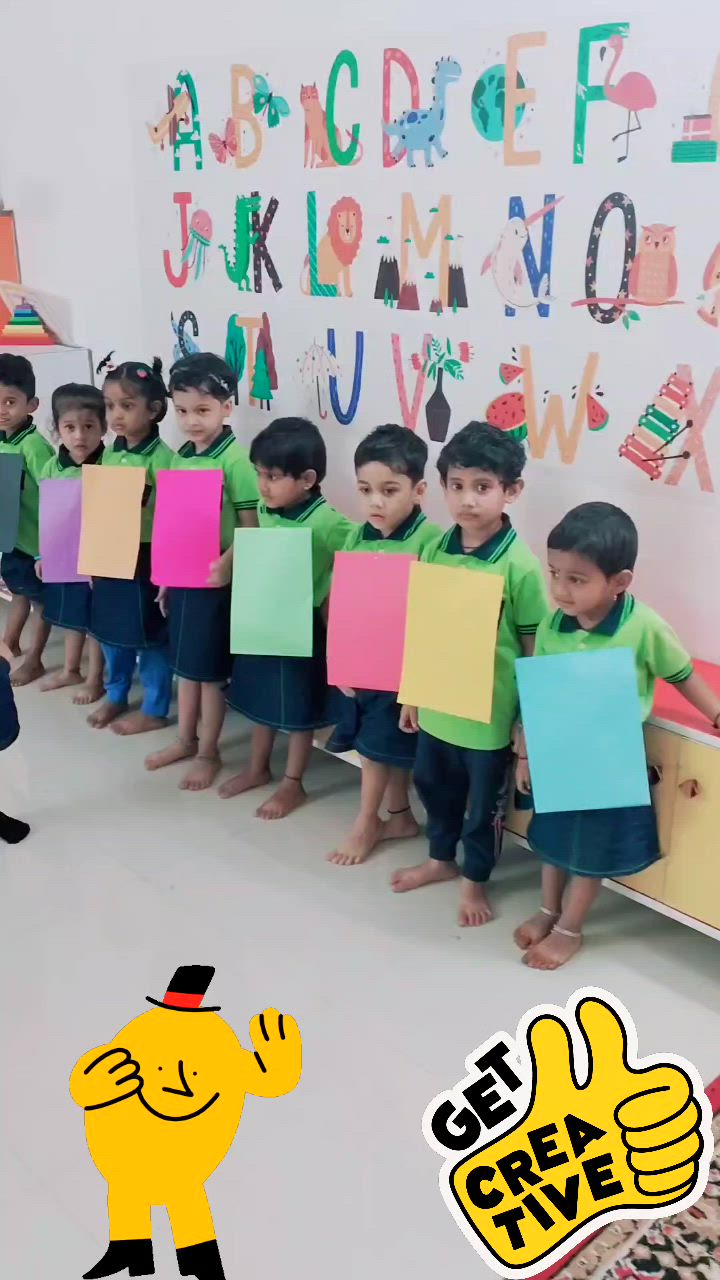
x=199, y=238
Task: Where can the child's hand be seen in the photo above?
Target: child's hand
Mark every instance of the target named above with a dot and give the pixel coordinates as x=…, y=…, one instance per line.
x=220, y=572
x=522, y=776
x=349, y=693
x=38, y=569
x=162, y=600
x=409, y=720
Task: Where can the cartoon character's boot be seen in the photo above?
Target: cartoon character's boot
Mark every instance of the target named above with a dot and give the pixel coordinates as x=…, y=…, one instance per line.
x=133, y=1256
x=201, y=1260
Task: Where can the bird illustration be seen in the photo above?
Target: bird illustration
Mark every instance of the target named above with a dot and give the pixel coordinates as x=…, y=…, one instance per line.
x=654, y=275
x=507, y=262
x=633, y=91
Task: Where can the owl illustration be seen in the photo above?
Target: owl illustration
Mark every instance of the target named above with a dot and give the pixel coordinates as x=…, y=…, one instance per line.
x=653, y=274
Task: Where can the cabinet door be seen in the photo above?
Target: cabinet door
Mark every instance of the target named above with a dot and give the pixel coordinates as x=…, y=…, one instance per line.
x=663, y=753
x=692, y=884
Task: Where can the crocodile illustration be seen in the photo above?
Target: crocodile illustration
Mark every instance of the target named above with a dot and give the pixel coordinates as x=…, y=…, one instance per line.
x=238, y=269
x=423, y=130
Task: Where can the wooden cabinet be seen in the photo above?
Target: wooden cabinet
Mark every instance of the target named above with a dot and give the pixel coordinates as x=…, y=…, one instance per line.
x=692, y=880
x=663, y=753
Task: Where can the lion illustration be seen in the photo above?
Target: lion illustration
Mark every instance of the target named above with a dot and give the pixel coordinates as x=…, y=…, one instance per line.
x=338, y=248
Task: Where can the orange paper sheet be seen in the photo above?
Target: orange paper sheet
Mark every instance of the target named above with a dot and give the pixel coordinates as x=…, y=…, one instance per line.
x=450, y=639
x=110, y=531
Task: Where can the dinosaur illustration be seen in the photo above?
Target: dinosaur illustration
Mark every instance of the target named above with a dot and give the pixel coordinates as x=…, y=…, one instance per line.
x=238, y=268
x=423, y=130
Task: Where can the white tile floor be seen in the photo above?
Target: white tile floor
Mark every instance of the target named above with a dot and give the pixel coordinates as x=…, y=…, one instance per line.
x=124, y=878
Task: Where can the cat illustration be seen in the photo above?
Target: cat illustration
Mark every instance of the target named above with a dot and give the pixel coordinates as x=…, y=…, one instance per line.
x=317, y=150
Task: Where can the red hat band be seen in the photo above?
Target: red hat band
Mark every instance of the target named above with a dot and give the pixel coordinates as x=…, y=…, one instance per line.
x=182, y=1000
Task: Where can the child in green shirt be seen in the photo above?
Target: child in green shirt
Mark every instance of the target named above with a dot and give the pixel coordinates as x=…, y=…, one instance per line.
x=79, y=417
x=202, y=389
x=290, y=694
x=125, y=616
x=19, y=435
x=591, y=557
x=390, y=469
x=462, y=766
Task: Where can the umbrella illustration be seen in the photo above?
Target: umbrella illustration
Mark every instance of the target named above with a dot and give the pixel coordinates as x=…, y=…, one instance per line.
x=317, y=367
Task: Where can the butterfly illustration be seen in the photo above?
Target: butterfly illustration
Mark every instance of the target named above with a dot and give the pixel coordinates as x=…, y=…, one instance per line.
x=268, y=104
x=227, y=146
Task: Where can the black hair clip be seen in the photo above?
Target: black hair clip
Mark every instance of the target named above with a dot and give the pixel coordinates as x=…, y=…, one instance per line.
x=106, y=364
x=221, y=383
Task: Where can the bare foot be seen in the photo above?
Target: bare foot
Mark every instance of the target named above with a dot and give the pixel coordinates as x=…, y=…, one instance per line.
x=105, y=714
x=201, y=774
x=429, y=872
x=365, y=835
x=248, y=780
x=173, y=754
x=60, y=680
x=29, y=670
x=138, y=722
x=532, y=931
x=554, y=951
x=289, y=795
x=400, y=826
x=474, y=907
x=89, y=693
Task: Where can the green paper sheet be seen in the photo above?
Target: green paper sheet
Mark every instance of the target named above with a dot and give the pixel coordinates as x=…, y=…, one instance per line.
x=272, y=593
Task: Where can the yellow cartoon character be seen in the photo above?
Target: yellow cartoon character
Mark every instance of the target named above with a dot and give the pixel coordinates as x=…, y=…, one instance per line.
x=162, y=1103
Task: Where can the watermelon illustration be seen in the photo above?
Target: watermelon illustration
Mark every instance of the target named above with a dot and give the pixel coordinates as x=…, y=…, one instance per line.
x=598, y=416
x=509, y=372
x=508, y=413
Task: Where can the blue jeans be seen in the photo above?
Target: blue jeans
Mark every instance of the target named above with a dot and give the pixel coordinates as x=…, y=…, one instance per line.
x=155, y=677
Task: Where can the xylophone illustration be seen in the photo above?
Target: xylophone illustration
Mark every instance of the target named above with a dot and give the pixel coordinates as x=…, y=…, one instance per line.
x=658, y=427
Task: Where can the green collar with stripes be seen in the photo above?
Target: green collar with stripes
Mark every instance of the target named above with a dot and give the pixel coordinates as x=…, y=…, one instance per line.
x=611, y=623
x=401, y=533
x=491, y=551
x=218, y=446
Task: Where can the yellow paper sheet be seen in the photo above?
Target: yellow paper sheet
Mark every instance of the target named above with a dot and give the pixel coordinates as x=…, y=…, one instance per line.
x=110, y=531
x=450, y=640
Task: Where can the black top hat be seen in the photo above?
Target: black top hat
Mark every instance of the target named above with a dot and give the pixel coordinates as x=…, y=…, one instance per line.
x=187, y=988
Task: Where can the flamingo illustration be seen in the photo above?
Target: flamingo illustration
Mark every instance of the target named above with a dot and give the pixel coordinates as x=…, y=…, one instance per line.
x=633, y=91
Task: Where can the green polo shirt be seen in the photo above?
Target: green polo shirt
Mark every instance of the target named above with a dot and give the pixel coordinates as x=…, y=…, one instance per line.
x=524, y=606
x=658, y=653
x=409, y=538
x=154, y=455
x=330, y=532
x=240, y=491
x=35, y=451
x=62, y=467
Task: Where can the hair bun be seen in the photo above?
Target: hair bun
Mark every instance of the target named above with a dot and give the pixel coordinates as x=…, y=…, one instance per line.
x=157, y=366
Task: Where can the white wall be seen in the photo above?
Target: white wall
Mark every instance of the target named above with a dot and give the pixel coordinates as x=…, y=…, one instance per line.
x=65, y=142
x=67, y=168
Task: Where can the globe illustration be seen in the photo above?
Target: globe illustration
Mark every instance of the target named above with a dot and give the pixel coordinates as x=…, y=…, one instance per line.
x=488, y=103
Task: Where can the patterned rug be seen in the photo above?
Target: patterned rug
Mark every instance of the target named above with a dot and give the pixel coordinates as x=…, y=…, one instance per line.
x=686, y=1247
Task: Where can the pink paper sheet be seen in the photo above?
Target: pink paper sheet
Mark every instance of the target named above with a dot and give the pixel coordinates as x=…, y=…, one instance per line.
x=186, y=528
x=366, y=631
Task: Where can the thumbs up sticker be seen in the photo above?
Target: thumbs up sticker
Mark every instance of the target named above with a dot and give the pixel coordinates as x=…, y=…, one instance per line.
x=563, y=1130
